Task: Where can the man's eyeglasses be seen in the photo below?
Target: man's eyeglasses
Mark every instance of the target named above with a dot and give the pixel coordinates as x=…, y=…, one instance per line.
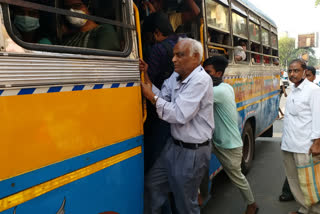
x=294, y=71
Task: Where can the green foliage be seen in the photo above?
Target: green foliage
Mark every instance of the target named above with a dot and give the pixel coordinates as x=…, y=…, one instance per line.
x=286, y=50
x=317, y=2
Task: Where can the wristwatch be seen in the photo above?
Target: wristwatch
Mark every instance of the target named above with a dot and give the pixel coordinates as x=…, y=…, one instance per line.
x=154, y=100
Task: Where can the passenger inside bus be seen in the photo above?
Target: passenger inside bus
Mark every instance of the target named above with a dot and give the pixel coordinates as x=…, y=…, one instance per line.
x=79, y=32
x=266, y=59
x=26, y=23
x=180, y=12
x=215, y=36
x=240, y=51
x=255, y=57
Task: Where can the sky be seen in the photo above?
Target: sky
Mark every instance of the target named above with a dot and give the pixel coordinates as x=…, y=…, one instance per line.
x=294, y=16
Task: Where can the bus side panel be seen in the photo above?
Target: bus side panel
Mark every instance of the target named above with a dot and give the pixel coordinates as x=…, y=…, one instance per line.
x=48, y=141
x=117, y=188
x=270, y=103
x=42, y=129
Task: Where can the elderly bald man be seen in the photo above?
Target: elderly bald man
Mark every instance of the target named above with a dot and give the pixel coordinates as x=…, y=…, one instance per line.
x=185, y=101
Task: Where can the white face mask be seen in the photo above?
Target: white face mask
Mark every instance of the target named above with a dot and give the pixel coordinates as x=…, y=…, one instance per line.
x=75, y=21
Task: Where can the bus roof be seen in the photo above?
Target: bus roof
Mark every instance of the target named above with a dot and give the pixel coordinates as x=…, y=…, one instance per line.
x=257, y=11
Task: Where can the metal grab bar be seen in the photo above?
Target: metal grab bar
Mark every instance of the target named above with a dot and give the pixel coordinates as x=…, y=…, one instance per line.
x=218, y=48
x=138, y=28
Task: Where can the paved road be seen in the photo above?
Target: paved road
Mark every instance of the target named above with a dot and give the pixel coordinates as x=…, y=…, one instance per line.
x=266, y=178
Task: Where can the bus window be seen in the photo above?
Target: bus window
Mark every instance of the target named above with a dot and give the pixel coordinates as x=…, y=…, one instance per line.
x=102, y=31
x=217, y=16
x=254, y=31
x=265, y=36
x=274, y=43
x=255, y=57
x=266, y=59
x=239, y=25
x=240, y=49
x=220, y=41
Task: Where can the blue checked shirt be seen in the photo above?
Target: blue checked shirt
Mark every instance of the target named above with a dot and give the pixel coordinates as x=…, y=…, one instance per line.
x=187, y=106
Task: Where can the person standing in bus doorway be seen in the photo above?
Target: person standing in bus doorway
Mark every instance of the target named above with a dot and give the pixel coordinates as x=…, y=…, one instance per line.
x=227, y=142
x=159, y=59
x=301, y=130
x=185, y=101
x=156, y=131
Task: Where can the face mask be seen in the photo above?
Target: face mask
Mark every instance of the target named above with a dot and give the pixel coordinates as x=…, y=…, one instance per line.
x=75, y=21
x=216, y=80
x=26, y=23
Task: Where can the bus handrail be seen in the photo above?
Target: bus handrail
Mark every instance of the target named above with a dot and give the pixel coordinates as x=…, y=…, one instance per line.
x=218, y=48
x=138, y=28
x=202, y=38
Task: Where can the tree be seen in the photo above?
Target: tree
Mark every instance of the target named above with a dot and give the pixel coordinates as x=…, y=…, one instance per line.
x=286, y=50
x=310, y=51
x=317, y=2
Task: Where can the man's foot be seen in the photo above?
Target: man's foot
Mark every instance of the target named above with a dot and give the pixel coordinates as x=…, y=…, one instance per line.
x=286, y=197
x=252, y=209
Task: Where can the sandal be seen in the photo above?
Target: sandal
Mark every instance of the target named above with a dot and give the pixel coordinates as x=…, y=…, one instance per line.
x=285, y=197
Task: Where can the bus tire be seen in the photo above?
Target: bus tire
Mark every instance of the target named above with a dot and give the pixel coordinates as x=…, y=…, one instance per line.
x=268, y=132
x=248, y=148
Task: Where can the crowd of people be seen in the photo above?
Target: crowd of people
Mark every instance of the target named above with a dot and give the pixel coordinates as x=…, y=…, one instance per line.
x=192, y=112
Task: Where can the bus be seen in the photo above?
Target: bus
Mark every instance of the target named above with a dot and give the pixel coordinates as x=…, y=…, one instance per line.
x=256, y=79
x=71, y=109
x=71, y=106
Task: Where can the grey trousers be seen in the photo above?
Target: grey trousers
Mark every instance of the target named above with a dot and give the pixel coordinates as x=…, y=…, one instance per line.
x=180, y=171
x=291, y=160
x=230, y=160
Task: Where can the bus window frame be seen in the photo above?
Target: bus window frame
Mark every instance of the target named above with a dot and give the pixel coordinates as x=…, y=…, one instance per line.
x=235, y=34
x=215, y=27
x=238, y=8
x=127, y=28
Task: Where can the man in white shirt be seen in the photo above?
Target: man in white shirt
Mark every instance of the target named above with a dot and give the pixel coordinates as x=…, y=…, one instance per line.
x=301, y=134
x=185, y=101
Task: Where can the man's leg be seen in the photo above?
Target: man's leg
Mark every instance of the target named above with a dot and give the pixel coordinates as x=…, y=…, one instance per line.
x=230, y=160
x=156, y=185
x=293, y=180
x=188, y=167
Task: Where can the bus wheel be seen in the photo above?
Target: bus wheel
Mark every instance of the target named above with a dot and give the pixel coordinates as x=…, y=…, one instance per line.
x=248, y=148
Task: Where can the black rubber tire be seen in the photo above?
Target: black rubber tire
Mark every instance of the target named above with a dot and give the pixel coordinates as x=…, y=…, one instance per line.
x=248, y=148
x=268, y=132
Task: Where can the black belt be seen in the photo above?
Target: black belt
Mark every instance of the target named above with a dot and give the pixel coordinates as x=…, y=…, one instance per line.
x=190, y=145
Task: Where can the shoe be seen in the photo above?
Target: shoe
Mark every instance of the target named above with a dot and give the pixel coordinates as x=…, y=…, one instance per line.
x=285, y=197
x=252, y=207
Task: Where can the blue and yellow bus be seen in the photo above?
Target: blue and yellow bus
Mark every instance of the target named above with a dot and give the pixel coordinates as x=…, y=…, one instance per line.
x=71, y=117
x=256, y=79
x=70, y=103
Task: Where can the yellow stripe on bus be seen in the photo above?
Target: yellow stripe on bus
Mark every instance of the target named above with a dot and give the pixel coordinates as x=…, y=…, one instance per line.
x=258, y=101
x=36, y=191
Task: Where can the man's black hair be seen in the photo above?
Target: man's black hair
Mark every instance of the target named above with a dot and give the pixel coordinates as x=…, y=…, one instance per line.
x=219, y=63
x=242, y=42
x=161, y=22
x=312, y=69
x=301, y=62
